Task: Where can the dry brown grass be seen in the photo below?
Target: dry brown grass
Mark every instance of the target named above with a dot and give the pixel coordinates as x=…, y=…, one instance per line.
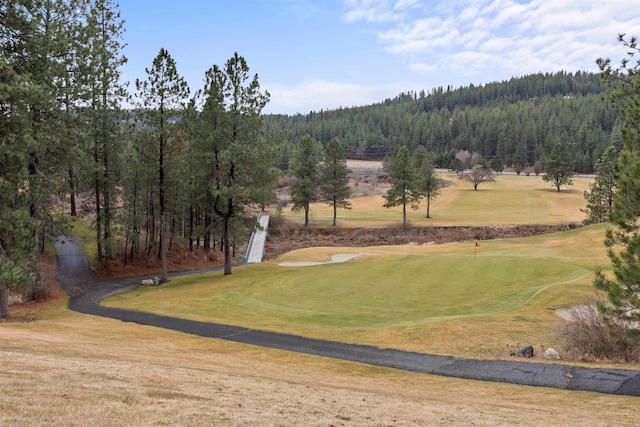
x=70, y=369
x=510, y=200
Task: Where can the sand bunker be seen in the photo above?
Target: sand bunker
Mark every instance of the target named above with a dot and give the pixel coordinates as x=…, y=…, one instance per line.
x=334, y=258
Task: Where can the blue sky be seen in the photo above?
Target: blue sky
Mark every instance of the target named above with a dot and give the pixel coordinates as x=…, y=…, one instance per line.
x=324, y=54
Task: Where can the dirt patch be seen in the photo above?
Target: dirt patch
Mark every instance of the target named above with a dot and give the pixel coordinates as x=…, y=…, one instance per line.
x=285, y=237
x=361, y=185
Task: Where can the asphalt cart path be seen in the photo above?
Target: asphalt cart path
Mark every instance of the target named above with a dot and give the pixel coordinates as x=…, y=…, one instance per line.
x=86, y=290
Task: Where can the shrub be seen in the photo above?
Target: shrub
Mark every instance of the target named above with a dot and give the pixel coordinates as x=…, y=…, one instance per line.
x=588, y=339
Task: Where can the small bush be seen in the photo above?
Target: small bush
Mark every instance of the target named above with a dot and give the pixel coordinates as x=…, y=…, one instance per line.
x=588, y=339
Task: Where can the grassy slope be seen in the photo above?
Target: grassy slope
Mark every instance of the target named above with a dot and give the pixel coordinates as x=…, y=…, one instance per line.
x=71, y=369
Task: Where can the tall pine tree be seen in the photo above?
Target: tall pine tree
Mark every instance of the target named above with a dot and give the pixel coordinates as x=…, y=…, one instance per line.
x=429, y=184
x=623, y=242
x=102, y=39
x=334, y=178
x=16, y=225
x=404, y=184
x=162, y=95
x=603, y=189
x=305, y=170
x=236, y=157
x=35, y=41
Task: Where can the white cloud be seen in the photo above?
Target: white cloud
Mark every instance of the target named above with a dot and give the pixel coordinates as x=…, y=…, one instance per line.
x=497, y=44
x=378, y=10
x=420, y=36
x=501, y=38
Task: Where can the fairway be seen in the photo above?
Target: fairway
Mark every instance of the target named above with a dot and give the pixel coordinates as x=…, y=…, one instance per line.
x=510, y=200
x=410, y=297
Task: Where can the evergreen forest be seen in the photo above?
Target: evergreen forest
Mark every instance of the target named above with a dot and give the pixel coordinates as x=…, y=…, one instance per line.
x=519, y=120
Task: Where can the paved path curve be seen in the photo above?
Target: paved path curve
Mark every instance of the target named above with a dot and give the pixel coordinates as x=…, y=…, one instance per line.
x=86, y=290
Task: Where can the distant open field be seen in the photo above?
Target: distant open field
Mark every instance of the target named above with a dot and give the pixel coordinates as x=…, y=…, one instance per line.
x=64, y=368
x=512, y=199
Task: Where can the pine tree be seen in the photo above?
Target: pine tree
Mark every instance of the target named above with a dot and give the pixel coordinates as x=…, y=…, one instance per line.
x=334, y=178
x=35, y=40
x=429, y=183
x=559, y=167
x=17, y=258
x=602, y=191
x=497, y=164
x=623, y=242
x=162, y=94
x=100, y=74
x=237, y=159
x=305, y=170
x=402, y=177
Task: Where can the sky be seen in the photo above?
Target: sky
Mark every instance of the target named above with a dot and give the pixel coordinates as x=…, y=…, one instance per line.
x=313, y=55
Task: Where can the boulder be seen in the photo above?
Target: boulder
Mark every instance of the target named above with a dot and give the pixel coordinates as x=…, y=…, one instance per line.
x=526, y=351
x=551, y=354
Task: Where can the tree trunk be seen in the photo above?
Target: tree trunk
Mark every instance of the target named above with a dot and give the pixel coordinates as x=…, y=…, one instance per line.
x=151, y=224
x=428, y=205
x=207, y=232
x=163, y=224
x=227, y=252
x=404, y=214
x=306, y=215
x=190, y=228
x=108, y=252
x=4, y=302
x=335, y=211
x=72, y=191
x=96, y=178
x=163, y=256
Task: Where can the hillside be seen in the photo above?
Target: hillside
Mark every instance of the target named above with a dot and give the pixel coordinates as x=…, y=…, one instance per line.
x=519, y=120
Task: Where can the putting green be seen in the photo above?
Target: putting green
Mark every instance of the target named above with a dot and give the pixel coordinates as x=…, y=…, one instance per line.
x=408, y=290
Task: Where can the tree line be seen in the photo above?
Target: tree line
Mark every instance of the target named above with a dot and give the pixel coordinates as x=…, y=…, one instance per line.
x=519, y=120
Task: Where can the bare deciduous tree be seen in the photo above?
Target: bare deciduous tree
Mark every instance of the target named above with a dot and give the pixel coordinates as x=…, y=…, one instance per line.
x=477, y=175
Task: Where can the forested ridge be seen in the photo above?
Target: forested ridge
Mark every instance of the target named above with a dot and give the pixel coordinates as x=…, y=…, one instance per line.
x=519, y=120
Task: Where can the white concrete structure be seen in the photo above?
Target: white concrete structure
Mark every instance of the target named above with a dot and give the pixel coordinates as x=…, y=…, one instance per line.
x=255, y=250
